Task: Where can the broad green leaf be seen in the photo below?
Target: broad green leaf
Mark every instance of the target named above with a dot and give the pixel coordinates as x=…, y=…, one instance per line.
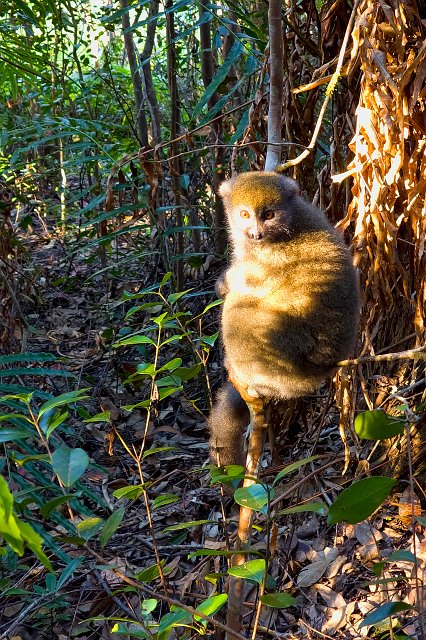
x=88, y=527
x=360, y=500
x=384, y=611
x=403, y=555
x=253, y=570
x=34, y=542
x=162, y=501
x=148, y=605
x=378, y=425
x=254, y=497
x=150, y=573
x=69, y=464
x=64, y=398
x=111, y=526
x=131, y=492
x=171, y=365
x=210, y=340
x=210, y=606
x=188, y=525
x=279, y=600
x=316, y=507
x=175, y=618
x=293, y=467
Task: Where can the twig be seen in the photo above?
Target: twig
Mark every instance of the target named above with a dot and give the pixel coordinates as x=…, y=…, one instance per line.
x=329, y=91
x=160, y=596
x=410, y=354
x=35, y=604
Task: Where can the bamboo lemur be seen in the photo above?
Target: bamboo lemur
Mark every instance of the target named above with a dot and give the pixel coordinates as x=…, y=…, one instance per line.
x=291, y=300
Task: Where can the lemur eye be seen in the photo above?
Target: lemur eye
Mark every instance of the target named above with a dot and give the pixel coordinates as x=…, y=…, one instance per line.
x=244, y=213
x=269, y=215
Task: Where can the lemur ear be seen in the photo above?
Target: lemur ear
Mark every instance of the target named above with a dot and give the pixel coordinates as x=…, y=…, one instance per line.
x=225, y=188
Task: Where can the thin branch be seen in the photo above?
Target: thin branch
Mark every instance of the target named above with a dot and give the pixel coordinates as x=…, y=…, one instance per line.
x=330, y=88
x=411, y=354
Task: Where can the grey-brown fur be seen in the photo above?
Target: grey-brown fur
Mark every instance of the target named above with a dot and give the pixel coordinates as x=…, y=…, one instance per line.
x=290, y=308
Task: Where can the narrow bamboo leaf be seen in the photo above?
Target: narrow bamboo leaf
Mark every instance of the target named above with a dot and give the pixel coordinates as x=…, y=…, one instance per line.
x=48, y=507
x=150, y=452
x=104, y=416
x=12, y=434
x=133, y=340
x=378, y=425
x=173, y=297
x=316, y=507
x=253, y=570
x=150, y=573
x=68, y=571
x=384, y=611
x=69, y=464
x=28, y=357
x=188, y=525
x=64, y=398
x=164, y=500
x=360, y=500
x=279, y=600
x=35, y=371
x=231, y=58
x=214, y=553
x=292, y=467
x=111, y=526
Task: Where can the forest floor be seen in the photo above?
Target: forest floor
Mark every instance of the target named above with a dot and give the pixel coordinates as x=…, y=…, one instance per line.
x=337, y=574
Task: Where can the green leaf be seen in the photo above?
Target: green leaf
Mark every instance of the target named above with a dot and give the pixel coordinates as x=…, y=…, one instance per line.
x=173, y=297
x=34, y=542
x=133, y=340
x=111, y=526
x=64, y=398
x=150, y=573
x=210, y=606
x=279, y=600
x=104, y=416
x=28, y=357
x=253, y=570
x=131, y=492
x=162, y=501
x=11, y=434
x=88, y=527
x=403, y=555
x=35, y=371
x=214, y=553
x=254, y=497
x=219, y=77
x=360, y=500
x=292, y=467
x=316, y=507
x=188, y=525
x=68, y=571
x=48, y=507
x=384, y=611
x=69, y=464
x=175, y=618
x=150, y=452
x=378, y=425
